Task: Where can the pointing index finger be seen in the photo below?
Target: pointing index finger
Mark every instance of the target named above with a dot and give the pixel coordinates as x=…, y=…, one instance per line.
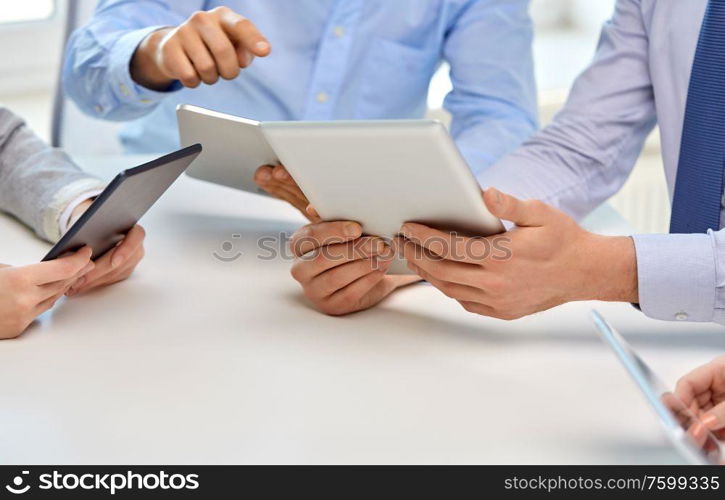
x=245, y=35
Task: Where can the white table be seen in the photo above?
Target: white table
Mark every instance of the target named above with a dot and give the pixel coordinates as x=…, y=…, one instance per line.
x=195, y=360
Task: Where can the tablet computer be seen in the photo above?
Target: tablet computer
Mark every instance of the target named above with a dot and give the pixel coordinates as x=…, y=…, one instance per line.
x=234, y=148
x=383, y=174
x=676, y=418
x=122, y=204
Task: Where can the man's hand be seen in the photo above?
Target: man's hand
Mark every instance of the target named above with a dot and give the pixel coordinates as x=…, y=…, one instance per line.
x=28, y=291
x=280, y=184
x=703, y=392
x=209, y=45
x=545, y=261
x=340, y=270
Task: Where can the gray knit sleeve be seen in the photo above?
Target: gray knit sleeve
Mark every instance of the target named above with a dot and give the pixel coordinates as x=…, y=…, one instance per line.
x=37, y=182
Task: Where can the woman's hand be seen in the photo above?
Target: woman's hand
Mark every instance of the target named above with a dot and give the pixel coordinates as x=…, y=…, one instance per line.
x=703, y=391
x=28, y=291
x=115, y=265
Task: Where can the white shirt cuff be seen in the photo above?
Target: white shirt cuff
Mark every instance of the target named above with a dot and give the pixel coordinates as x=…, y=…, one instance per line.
x=677, y=276
x=65, y=222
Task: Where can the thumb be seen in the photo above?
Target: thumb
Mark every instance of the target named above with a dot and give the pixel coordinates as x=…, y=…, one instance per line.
x=714, y=419
x=522, y=213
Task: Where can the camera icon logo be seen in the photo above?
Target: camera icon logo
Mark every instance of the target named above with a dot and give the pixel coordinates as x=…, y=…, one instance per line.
x=17, y=487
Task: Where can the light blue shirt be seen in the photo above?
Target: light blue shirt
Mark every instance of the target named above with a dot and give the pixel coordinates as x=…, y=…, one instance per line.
x=640, y=77
x=331, y=59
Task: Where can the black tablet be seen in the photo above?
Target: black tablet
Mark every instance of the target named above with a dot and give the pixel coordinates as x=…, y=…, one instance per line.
x=124, y=201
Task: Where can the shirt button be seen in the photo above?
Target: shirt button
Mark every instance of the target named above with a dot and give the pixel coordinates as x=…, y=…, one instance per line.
x=339, y=31
x=682, y=316
x=322, y=97
x=124, y=89
x=99, y=109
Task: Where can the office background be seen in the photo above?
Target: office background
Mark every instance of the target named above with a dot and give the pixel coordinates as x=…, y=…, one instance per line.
x=566, y=35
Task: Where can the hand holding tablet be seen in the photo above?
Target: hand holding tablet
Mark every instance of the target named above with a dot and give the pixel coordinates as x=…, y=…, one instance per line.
x=379, y=174
x=275, y=180
x=383, y=174
x=341, y=271
x=677, y=412
x=28, y=291
x=124, y=201
x=109, y=226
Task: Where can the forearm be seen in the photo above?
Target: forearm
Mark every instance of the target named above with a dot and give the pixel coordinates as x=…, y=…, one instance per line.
x=37, y=182
x=608, y=269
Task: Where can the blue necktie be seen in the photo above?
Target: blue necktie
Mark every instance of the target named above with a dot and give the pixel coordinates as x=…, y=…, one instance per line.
x=699, y=187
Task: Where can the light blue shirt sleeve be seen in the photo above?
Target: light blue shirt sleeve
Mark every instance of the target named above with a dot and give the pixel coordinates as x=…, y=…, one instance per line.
x=493, y=101
x=587, y=153
x=681, y=276
x=97, y=73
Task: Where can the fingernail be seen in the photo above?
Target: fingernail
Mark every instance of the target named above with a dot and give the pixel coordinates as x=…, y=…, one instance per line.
x=697, y=429
x=710, y=421
x=280, y=174
x=352, y=229
x=261, y=46
x=405, y=230
x=313, y=213
x=264, y=175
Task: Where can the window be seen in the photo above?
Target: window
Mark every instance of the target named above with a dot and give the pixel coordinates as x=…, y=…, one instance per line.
x=18, y=12
x=31, y=37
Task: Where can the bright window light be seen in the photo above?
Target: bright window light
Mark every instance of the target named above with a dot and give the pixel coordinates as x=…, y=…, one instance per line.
x=36, y=10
